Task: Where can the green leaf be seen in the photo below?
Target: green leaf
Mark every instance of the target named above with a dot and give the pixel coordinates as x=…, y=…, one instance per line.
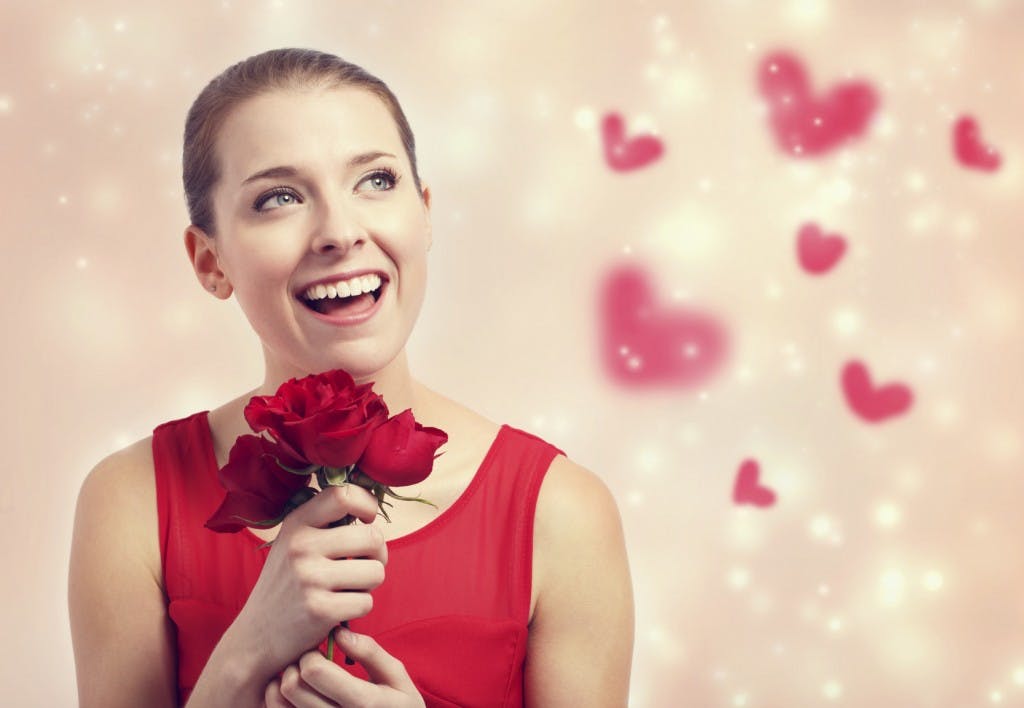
x=334, y=476
x=387, y=490
x=300, y=471
x=266, y=523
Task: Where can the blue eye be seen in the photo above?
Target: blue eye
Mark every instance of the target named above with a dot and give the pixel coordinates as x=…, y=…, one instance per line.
x=381, y=180
x=277, y=197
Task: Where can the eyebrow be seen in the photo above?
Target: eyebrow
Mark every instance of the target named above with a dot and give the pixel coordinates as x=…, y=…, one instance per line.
x=289, y=171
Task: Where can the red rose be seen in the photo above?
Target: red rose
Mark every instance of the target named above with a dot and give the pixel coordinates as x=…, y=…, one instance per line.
x=260, y=491
x=327, y=425
x=323, y=423
x=401, y=451
x=324, y=418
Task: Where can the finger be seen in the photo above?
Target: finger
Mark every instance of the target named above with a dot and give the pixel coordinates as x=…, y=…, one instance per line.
x=332, y=607
x=333, y=503
x=272, y=697
x=353, y=574
x=336, y=683
x=381, y=667
x=299, y=693
x=360, y=541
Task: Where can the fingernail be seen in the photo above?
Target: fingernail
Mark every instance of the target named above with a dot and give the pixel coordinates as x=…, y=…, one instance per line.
x=344, y=635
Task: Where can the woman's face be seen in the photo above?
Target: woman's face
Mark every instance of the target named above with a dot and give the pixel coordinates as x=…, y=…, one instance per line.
x=316, y=184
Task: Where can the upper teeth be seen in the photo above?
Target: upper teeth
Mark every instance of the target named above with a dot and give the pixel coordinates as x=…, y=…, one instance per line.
x=344, y=288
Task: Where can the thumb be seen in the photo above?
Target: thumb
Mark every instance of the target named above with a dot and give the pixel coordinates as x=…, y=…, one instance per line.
x=381, y=667
x=333, y=503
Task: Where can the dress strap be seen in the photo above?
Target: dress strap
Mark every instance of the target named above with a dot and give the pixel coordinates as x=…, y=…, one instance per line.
x=184, y=491
x=521, y=483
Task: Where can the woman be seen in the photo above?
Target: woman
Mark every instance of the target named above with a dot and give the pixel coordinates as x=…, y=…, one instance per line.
x=299, y=171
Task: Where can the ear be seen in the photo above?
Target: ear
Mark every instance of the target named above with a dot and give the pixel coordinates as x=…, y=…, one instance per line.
x=202, y=251
x=426, y=214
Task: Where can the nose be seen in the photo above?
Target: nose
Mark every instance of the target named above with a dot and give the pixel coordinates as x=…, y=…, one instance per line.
x=337, y=228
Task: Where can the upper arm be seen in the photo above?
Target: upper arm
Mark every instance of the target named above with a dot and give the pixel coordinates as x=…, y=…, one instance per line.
x=122, y=638
x=581, y=636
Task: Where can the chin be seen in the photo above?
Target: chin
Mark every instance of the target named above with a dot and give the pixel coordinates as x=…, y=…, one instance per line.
x=361, y=366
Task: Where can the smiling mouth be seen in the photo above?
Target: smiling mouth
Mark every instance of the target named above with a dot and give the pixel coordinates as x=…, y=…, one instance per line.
x=352, y=304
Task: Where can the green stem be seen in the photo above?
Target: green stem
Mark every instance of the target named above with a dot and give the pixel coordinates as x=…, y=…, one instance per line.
x=330, y=644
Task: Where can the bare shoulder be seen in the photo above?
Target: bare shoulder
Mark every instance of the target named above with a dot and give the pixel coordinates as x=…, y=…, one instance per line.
x=121, y=635
x=581, y=630
x=119, y=493
x=575, y=505
x=577, y=530
x=126, y=473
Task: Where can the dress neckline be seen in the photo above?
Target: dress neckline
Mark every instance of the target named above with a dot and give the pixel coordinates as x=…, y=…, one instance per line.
x=414, y=535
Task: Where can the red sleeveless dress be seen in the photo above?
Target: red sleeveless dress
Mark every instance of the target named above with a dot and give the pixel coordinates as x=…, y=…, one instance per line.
x=454, y=605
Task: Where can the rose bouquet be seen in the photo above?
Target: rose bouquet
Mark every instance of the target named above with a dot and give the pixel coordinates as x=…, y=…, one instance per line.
x=323, y=425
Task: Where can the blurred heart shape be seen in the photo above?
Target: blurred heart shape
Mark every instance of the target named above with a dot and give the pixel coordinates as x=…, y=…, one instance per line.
x=624, y=154
x=969, y=149
x=816, y=251
x=747, y=488
x=805, y=125
x=873, y=403
x=645, y=343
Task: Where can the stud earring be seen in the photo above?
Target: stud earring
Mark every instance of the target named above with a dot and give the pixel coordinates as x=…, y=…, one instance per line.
x=213, y=288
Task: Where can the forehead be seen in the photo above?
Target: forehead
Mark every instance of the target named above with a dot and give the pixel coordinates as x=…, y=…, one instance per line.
x=304, y=127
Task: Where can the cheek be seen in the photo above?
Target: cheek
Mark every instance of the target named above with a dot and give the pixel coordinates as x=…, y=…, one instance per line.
x=261, y=272
x=415, y=235
x=261, y=256
x=403, y=241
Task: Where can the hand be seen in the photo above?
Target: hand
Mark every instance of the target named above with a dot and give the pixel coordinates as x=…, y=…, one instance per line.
x=314, y=578
x=316, y=682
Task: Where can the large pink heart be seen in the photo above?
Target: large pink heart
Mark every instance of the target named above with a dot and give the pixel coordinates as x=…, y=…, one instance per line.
x=970, y=151
x=816, y=251
x=747, y=489
x=645, y=343
x=805, y=125
x=873, y=403
x=624, y=154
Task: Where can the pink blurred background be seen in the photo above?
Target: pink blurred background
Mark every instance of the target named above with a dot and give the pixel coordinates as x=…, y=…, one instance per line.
x=885, y=573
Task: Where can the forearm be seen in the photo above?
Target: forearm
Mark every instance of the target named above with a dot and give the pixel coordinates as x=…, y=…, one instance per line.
x=230, y=678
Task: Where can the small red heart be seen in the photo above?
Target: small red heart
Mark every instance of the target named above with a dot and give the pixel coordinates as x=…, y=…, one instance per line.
x=873, y=404
x=805, y=125
x=970, y=151
x=646, y=343
x=816, y=251
x=748, y=490
x=623, y=155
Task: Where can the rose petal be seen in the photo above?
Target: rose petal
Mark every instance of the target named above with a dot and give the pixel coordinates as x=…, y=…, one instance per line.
x=304, y=410
x=284, y=454
x=401, y=451
x=249, y=468
x=342, y=448
x=328, y=420
x=258, y=488
x=241, y=505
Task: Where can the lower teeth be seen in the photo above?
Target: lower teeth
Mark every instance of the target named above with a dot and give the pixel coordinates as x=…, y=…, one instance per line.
x=329, y=305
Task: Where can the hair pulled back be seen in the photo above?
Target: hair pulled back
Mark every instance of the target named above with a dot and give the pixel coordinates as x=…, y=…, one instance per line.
x=271, y=70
